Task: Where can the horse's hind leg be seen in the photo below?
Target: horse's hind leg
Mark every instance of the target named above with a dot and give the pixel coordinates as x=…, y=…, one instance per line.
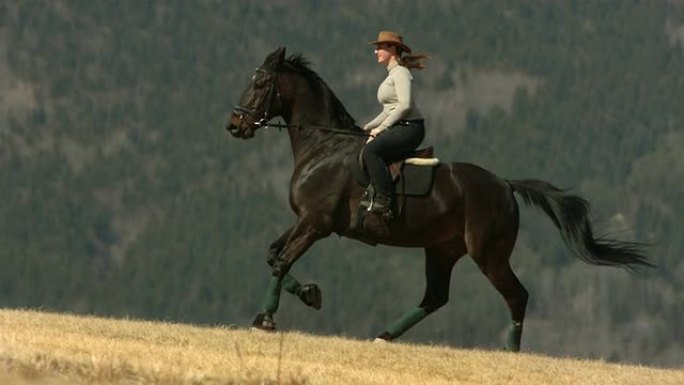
x=493, y=260
x=309, y=293
x=439, y=262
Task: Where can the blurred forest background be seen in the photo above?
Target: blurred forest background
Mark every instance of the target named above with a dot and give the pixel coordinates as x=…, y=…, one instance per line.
x=121, y=194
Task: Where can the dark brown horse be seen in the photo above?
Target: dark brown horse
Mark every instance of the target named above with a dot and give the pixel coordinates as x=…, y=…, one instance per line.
x=468, y=210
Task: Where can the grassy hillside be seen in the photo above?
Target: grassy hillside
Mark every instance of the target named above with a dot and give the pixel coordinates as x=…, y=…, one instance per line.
x=38, y=347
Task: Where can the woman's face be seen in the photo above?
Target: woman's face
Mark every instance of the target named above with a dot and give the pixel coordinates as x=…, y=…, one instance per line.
x=385, y=52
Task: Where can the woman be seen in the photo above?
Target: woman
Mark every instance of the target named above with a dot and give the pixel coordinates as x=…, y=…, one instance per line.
x=398, y=129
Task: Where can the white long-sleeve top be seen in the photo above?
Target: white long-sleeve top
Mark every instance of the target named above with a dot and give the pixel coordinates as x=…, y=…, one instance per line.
x=395, y=95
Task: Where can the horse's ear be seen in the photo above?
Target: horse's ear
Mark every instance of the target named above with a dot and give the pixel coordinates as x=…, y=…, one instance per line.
x=275, y=58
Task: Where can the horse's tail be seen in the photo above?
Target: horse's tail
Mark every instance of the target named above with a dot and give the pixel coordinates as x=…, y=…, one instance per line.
x=571, y=214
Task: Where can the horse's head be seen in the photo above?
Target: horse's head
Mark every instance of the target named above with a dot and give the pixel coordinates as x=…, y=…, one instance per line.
x=259, y=101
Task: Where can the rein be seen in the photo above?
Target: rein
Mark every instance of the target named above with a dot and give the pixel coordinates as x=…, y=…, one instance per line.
x=263, y=124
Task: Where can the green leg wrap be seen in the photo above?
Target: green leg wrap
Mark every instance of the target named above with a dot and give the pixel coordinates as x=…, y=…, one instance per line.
x=514, y=336
x=272, y=299
x=291, y=285
x=406, y=322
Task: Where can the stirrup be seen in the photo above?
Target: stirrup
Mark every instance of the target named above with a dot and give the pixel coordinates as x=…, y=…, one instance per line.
x=369, y=204
x=382, y=206
x=383, y=211
x=368, y=198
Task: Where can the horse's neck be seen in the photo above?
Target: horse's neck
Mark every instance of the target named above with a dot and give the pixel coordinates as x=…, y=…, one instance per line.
x=313, y=110
x=306, y=137
x=311, y=137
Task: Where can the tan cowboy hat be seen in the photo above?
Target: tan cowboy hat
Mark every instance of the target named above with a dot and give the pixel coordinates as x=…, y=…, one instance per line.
x=391, y=38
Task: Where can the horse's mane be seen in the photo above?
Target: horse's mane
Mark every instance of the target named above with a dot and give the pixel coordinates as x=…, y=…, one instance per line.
x=303, y=66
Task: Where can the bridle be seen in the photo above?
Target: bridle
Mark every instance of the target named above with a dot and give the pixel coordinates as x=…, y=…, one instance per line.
x=262, y=121
x=272, y=94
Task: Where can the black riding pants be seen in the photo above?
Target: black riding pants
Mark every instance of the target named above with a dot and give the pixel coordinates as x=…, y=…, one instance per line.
x=390, y=146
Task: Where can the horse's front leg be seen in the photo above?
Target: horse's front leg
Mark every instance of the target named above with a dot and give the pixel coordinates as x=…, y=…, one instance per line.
x=301, y=237
x=309, y=293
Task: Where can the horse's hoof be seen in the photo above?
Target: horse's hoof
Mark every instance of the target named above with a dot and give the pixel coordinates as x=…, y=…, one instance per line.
x=383, y=338
x=380, y=341
x=264, y=322
x=312, y=296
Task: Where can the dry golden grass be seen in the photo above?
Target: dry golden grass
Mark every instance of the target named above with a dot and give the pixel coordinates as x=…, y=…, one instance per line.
x=44, y=348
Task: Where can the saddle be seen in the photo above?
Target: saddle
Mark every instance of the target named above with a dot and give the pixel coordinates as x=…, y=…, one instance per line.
x=411, y=176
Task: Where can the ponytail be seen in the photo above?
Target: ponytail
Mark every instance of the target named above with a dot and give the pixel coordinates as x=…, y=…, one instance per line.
x=412, y=61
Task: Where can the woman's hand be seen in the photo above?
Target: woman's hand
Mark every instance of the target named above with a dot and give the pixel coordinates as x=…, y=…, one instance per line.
x=373, y=133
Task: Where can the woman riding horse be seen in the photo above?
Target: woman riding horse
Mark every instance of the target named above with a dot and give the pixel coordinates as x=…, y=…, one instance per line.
x=399, y=128
x=468, y=210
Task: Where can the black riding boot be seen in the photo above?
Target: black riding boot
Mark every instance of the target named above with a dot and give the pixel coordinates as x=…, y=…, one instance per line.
x=382, y=205
x=377, y=202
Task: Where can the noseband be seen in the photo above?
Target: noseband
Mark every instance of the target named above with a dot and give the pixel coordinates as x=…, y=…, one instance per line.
x=273, y=90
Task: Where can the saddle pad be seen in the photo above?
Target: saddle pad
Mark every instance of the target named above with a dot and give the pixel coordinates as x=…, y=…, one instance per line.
x=414, y=180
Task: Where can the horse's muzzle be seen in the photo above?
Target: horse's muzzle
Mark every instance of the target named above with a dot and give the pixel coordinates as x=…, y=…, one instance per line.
x=233, y=130
x=237, y=132
x=234, y=124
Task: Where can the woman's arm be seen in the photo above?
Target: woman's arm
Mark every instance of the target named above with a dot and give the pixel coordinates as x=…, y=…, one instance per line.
x=375, y=122
x=402, y=85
